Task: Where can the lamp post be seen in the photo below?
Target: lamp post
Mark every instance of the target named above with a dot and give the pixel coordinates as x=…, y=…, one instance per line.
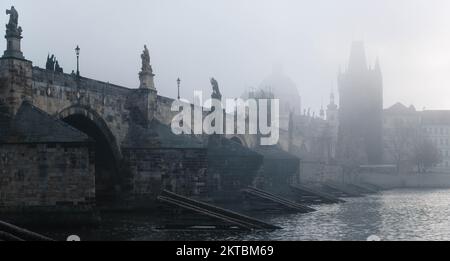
x=178, y=84
x=77, y=52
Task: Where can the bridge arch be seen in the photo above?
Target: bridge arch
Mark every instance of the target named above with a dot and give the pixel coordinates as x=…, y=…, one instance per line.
x=239, y=140
x=107, y=154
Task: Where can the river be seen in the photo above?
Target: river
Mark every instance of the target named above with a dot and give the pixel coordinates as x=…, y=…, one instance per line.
x=389, y=215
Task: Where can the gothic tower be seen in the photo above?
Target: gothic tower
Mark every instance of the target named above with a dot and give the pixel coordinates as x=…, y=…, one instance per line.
x=360, y=110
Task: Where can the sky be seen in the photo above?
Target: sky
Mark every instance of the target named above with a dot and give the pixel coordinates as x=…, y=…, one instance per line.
x=239, y=41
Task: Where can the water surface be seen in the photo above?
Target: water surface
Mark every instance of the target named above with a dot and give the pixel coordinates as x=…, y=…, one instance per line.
x=390, y=215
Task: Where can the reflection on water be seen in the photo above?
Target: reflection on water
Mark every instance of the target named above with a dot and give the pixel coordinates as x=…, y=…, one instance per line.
x=391, y=215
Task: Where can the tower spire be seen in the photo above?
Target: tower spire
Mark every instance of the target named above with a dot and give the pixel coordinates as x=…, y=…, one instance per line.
x=357, y=61
x=332, y=105
x=322, y=112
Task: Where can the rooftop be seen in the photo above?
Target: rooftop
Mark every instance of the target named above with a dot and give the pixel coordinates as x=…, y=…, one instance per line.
x=32, y=125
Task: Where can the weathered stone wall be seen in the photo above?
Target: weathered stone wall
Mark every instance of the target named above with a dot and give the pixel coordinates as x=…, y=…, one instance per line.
x=228, y=176
x=15, y=84
x=279, y=174
x=182, y=171
x=46, y=175
x=56, y=92
x=231, y=168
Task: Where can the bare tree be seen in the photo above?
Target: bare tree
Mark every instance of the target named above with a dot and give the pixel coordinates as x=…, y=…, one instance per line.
x=425, y=154
x=403, y=140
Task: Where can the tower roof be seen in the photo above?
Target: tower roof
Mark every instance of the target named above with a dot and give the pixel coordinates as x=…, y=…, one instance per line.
x=285, y=89
x=357, y=61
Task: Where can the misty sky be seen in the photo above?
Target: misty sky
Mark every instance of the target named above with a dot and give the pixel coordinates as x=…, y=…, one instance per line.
x=239, y=41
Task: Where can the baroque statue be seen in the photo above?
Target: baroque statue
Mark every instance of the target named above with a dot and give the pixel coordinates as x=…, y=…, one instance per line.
x=12, y=26
x=216, y=92
x=145, y=56
x=146, y=74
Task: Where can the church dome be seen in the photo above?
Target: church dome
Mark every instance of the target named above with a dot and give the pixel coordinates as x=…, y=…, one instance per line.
x=284, y=89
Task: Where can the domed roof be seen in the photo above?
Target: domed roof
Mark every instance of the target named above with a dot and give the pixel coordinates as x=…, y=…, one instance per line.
x=284, y=89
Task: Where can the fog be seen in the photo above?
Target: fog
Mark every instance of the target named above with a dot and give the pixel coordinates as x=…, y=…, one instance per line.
x=239, y=41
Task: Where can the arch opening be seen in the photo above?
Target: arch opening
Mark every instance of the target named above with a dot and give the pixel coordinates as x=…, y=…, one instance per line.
x=104, y=159
x=237, y=140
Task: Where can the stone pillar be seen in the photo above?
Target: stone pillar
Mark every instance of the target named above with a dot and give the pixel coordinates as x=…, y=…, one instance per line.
x=146, y=80
x=13, y=46
x=15, y=71
x=142, y=103
x=15, y=84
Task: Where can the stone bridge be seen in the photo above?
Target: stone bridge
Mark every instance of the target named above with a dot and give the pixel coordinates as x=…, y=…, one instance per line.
x=135, y=150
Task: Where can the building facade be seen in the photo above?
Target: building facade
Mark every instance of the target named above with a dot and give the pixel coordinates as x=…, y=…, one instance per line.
x=404, y=127
x=435, y=125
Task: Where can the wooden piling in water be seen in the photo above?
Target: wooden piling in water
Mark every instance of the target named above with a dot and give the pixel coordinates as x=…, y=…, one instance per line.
x=341, y=190
x=316, y=195
x=283, y=203
x=234, y=218
x=11, y=232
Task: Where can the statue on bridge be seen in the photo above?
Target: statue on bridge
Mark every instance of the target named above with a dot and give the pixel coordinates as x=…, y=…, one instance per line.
x=146, y=75
x=58, y=68
x=13, y=17
x=52, y=64
x=216, y=92
x=13, y=35
x=12, y=27
x=146, y=67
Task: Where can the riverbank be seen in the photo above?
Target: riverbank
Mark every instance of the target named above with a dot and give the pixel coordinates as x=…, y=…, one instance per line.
x=409, y=180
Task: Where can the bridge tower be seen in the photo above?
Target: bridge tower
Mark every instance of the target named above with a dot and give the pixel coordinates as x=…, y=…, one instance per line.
x=360, y=110
x=15, y=70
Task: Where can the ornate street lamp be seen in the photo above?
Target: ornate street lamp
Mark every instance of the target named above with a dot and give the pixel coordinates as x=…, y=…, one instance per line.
x=77, y=52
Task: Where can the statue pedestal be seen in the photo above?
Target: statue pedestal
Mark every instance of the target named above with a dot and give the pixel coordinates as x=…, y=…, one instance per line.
x=13, y=45
x=146, y=79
